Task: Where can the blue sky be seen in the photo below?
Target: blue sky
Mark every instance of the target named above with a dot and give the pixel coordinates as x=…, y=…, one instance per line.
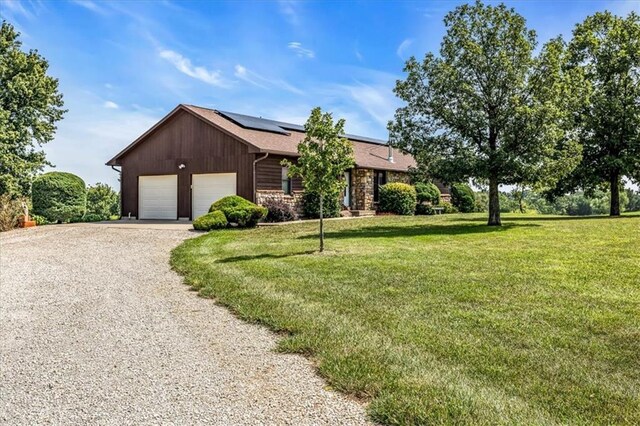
x=123, y=65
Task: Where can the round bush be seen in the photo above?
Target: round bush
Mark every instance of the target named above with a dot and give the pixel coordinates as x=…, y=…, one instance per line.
x=424, y=209
x=427, y=193
x=237, y=210
x=462, y=197
x=398, y=198
x=278, y=211
x=59, y=197
x=448, y=207
x=311, y=205
x=210, y=221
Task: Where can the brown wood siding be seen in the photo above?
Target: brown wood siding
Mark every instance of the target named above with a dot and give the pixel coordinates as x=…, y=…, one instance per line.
x=269, y=174
x=185, y=139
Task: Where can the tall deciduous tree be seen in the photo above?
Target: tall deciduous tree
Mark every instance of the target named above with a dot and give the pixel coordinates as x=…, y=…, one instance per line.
x=607, y=50
x=30, y=105
x=486, y=108
x=324, y=156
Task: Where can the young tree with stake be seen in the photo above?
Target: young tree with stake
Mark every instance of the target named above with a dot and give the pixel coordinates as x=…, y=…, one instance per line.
x=324, y=156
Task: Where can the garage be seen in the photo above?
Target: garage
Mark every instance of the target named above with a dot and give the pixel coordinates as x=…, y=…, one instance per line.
x=210, y=187
x=158, y=197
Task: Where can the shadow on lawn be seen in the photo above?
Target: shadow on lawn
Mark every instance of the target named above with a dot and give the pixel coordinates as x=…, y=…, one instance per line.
x=417, y=230
x=262, y=256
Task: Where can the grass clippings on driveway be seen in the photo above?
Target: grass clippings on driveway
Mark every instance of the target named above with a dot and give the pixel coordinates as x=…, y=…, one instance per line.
x=446, y=320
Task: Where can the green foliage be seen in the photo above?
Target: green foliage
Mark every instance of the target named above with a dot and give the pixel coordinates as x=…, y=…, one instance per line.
x=311, y=205
x=102, y=202
x=424, y=209
x=633, y=204
x=278, y=211
x=40, y=220
x=398, y=198
x=462, y=197
x=30, y=105
x=237, y=210
x=210, y=221
x=59, y=197
x=10, y=211
x=448, y=207
x=486, y=108
x=427, y=193
x=606, y=49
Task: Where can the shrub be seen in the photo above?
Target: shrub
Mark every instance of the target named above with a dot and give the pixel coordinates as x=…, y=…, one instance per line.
x=462, y=197
x=102, y=202
x=278, y=211
x=239, y=211
x=10, y=211
x=92, y=217
x=59, y=197
x=398, y=198
x=39, y=220
x=424, y=209
x=448, y=207
x=427, y=193
x=210, y=221
x=311, y=206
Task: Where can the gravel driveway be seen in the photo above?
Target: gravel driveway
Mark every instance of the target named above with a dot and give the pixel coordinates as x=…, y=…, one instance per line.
x=95, y=328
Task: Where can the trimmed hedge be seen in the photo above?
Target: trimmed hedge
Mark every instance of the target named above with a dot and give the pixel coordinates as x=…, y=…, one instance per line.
x=59, y=197
x=462, y=197
x=311, y=205
x=237, y=210
x=210, y=221
x=427, y=193
x=398, y=198
x=278, y=211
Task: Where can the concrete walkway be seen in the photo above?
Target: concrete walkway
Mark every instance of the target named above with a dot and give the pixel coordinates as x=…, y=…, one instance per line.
x=96, y=329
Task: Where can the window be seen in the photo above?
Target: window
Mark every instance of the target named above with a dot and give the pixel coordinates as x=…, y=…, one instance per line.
x=379, y=179
x=286, y=181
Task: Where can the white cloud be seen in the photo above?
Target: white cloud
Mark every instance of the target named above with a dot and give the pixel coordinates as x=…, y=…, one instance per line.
x=182, y=64
x=258, y=80
x=377, y=100
x=302, y=52
x=110, y=105
x=403, y=47
x=14, y=8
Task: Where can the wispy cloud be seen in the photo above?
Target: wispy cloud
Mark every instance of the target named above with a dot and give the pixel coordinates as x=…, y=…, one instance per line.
x=403, y=47
x=258, y=80
x=302, y=52
x=182, y=64
x=12, y=8
x=377, y=100
x=110, y=105
x=289, y=10
x=92, y=6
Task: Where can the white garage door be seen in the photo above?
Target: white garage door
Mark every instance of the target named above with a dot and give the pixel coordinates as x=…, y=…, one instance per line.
x=207, y=188
x=158, y=197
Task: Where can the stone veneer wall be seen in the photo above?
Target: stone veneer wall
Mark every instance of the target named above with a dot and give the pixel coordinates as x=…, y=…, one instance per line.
x=294, y=200
x=363, y=189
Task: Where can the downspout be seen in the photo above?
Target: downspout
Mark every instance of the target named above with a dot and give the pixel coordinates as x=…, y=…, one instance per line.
x=254, y=174
x=119, y=180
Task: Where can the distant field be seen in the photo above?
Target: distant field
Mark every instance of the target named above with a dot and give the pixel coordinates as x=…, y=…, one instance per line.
x=441, y=319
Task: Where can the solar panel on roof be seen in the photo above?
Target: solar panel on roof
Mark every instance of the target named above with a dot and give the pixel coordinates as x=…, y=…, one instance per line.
x=264, y=124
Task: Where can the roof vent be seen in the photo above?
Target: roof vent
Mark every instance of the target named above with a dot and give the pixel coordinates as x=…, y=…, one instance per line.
x=390, y=158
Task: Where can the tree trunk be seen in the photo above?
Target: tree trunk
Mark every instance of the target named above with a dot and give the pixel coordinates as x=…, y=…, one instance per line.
x=321, y=227
x=494, y=203
x=615, y=195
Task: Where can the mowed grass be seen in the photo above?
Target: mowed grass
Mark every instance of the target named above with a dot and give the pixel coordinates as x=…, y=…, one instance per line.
x=442, y=319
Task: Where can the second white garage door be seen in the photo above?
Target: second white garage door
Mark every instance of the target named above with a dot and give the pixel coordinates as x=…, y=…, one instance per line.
x=158, y=197
x=207, y=188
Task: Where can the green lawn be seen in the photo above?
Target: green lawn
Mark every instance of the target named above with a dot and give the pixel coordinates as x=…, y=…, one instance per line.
x=441, y=319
